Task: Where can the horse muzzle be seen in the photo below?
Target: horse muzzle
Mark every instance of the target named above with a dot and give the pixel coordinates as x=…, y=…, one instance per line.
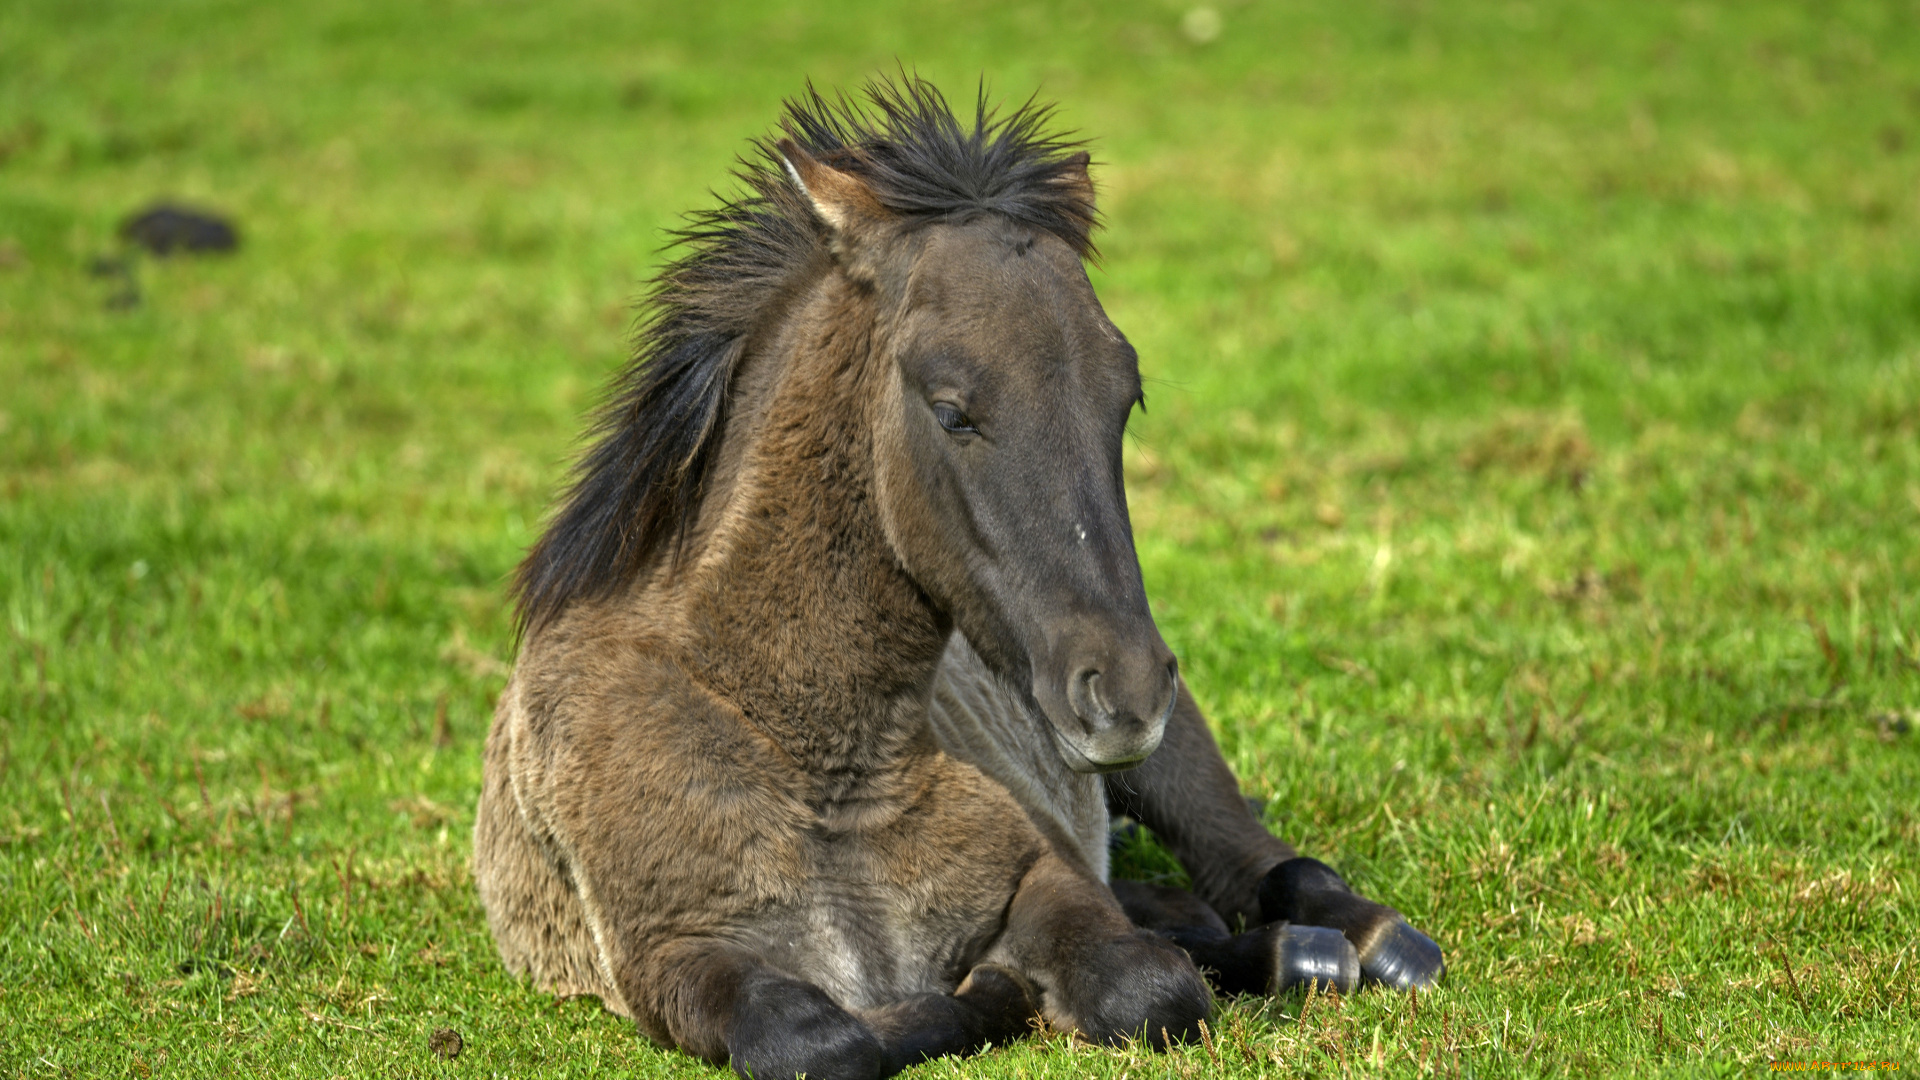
x=1114, y=718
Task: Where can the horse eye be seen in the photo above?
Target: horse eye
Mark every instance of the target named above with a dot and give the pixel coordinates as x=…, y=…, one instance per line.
x=952, y=419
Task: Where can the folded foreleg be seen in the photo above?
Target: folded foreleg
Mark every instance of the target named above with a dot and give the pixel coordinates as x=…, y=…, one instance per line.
x=1186, y=794
x=1264, y=960
x=1098, y=974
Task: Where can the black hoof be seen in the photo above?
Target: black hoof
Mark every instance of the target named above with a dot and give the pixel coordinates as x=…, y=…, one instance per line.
x=1391, y=952
x=786, y=1029
x=1402, y=957
x=1146, y=988
x=1002, y=999
x=1304, y=955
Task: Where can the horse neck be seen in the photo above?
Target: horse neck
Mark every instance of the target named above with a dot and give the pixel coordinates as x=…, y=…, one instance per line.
x=800, y=612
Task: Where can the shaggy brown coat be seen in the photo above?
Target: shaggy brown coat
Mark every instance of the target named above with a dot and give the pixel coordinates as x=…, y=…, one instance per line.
x=712, y=794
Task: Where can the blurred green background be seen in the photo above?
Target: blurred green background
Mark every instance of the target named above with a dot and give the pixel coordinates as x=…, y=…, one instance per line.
x=1529, y=486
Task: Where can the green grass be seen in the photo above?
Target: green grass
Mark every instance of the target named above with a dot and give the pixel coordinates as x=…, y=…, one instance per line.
x=1530, y=487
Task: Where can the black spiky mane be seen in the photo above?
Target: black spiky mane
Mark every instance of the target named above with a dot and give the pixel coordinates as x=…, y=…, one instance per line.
x=653, y=443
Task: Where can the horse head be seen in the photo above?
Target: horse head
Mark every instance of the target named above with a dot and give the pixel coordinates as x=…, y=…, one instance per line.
x=998, y=443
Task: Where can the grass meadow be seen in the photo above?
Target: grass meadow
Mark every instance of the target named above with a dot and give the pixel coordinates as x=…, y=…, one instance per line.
x=1530, y=486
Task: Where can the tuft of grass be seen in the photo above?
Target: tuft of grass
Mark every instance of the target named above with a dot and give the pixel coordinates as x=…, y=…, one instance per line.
x=1529, y=488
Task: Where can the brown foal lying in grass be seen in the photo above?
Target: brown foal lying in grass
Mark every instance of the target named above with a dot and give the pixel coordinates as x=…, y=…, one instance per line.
x=867, y=461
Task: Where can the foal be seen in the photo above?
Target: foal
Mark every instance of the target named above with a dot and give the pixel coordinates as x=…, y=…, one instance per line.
x=880, y=405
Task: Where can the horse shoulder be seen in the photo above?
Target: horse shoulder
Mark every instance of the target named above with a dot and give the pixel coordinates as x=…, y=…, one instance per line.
x=647, y=779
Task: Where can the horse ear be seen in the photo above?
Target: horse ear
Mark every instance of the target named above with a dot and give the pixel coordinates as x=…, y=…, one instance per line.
x=841, y=199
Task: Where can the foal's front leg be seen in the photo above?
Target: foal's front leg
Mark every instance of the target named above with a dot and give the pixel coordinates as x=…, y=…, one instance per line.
x=1098, y=973
x=1265, y=960
x=992, y=1005
x=723, y=1003
x=1303, y=890
x=1186, y=794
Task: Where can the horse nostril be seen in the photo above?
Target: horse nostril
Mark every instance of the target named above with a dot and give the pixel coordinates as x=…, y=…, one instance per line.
x=1089, y=706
